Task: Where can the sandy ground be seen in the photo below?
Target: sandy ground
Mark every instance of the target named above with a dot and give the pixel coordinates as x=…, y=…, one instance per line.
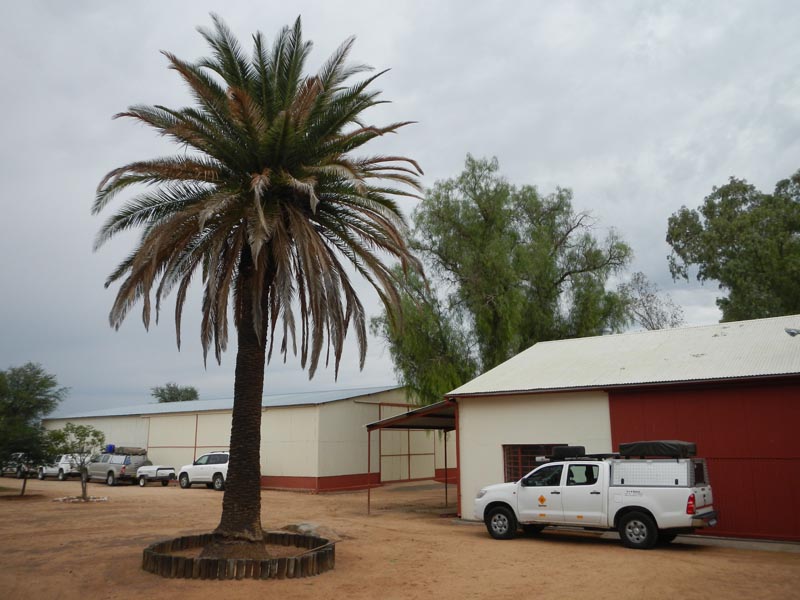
x=404, y=549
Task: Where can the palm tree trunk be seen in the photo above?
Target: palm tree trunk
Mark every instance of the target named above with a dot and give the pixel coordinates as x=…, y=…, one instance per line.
x=241, y=504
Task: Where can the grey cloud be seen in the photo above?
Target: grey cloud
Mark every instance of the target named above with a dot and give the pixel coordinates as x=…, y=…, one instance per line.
x=638, y=107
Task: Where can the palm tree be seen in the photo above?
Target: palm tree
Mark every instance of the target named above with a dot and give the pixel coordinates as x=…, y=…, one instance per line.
x=268, y=205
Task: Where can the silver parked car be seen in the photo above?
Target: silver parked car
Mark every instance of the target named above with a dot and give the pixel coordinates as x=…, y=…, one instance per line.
x=121, y=465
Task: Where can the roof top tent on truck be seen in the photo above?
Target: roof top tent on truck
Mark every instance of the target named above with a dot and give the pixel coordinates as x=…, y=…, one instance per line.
x=647, y=500
x=659, y=448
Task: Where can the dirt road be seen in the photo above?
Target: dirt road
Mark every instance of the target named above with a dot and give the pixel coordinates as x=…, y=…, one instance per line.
x=403, y=550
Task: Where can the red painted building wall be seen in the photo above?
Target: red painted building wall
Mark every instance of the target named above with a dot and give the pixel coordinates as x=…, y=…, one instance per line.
x=750, y=434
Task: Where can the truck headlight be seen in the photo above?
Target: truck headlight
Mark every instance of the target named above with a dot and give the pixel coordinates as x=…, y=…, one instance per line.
x=480, y=495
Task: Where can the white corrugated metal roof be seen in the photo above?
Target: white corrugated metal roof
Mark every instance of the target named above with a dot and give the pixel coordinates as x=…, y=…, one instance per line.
x=274, y=401
x=754, y=348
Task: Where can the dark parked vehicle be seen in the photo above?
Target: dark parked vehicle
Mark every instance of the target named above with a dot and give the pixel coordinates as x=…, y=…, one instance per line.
x=17, y=465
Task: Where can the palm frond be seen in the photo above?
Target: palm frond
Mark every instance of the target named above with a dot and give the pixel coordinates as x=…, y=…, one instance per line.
x=231, y=63
x=270, y=209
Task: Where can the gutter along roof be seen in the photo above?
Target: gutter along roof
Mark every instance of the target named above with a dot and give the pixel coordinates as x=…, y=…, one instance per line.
x=741, y=350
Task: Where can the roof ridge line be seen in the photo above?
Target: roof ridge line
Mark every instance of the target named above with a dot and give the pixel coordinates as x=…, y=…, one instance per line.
x=664, y=330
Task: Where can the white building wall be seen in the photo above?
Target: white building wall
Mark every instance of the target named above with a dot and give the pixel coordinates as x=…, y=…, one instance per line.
x=120, y=431
x=439, y=441
x=289, y=441
x=393, y=447
x=171, y=440
x=178, y=439
x=343, y=438
x=486, y=424
x=214, y=431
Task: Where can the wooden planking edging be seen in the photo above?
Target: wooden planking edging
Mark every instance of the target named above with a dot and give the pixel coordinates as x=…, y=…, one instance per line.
x=320, y=557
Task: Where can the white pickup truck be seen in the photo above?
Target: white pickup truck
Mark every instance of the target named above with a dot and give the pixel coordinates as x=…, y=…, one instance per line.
x=647, y=500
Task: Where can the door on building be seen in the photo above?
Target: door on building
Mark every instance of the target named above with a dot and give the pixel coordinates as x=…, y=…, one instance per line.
x=582, y=495
x=539, y=495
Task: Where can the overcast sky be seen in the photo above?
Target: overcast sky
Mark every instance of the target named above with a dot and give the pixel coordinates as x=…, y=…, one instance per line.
x=639, y=107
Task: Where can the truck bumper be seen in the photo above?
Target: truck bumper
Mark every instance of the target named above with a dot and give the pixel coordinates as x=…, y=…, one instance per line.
x=708, y=519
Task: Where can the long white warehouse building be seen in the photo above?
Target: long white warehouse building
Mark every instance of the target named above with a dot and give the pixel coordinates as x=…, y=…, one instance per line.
x=312, y=441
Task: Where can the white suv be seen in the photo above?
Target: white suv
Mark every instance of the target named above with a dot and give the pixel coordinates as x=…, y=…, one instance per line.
x=62, y=466
x=211, y=469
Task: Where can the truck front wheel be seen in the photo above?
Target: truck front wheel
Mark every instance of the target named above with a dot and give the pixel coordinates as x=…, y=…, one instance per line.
x=501, y=523
x=637, y=530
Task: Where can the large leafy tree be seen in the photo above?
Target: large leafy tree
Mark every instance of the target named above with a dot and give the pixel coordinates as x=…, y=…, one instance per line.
x=269, y=206
x=27, y=394
x=432, y=353
x=509, y=267
x=747, y=241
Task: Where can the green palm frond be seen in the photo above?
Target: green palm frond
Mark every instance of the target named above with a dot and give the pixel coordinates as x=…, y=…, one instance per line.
x=269, y=209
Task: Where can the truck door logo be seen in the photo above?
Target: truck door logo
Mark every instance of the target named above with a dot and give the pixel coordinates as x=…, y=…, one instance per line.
x=542, y=501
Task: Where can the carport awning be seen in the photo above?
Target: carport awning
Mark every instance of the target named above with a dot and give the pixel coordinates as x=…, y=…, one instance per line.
x=441, y=416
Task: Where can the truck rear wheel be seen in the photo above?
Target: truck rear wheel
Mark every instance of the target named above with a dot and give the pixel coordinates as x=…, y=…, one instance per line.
x=110, y=479
x=142, y=481
x=637, y=530
x=61, y=475
x=164, y=483
x=501, y=523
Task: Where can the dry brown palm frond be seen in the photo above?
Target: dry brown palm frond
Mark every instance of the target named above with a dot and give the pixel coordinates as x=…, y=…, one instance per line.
x=246, y=112
x=305, y=99
x=306, y=188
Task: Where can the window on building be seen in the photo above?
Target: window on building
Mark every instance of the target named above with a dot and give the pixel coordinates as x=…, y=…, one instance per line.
x=520, y=459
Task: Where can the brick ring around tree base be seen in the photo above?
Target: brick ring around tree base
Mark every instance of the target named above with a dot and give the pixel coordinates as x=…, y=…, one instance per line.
x=319, y=558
